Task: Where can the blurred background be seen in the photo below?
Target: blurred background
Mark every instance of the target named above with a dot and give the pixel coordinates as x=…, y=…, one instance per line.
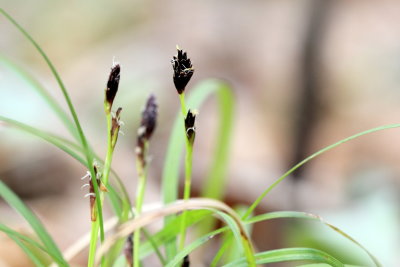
x=305, y=74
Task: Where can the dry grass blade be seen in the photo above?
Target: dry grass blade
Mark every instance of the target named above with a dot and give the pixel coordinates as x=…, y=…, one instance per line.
x=176, y=207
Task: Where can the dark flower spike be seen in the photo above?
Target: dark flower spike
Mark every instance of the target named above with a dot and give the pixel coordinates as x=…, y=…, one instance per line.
x=92, y=194
x=147, y=126
x=183, y=70
x=186, y=262
x=128, y=250
x=115, y=126
x=189, y=125
x=112, y=86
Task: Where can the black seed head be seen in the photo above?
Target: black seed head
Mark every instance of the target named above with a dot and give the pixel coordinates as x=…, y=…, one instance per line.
x=149, y=117
x=189, y=125
x=186, y=262
x=183, y=70
x=112, y=84
x=128, y=249
x=147, y=126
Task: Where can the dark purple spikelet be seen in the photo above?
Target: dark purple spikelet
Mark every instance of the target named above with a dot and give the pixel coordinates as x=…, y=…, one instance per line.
x=128, y=250
x=115, y=126
x=149, y=117
x=183, y=70
x=147, y=126
x=186, y=262
x=112, y=84
x=189, y=125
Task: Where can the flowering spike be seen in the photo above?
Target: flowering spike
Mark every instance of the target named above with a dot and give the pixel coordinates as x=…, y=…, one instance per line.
x=115, y=126
x=183, y=70
x=112, y=86
x=186, y=262
x=128, y=250
x=189, y=125
x=93, y=215
x=147, y=126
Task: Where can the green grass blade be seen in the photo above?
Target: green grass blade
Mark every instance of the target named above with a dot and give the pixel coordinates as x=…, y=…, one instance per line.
x=71, y=149
x=324, y=265
x=233, y=226
x=308, y=216
x=170, y=231
x=290, y=254
x=192, y=246
x=85, y=145
x=214, y=186
x=33, y=247
x=316, y=154
x=14, y=201
x=61, y=143
x=170, y=177
x=28, y=252
x=49, y=100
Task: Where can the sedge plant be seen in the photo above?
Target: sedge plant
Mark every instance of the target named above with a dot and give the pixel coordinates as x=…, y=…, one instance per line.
x=183, y=72
x=118, y=241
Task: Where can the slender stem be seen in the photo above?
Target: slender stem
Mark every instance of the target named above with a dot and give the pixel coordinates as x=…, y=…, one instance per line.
x=142, y=174
x=93, y=242
x=186, y=191
x=183, y=106
x=188, y=175
x=105, y=178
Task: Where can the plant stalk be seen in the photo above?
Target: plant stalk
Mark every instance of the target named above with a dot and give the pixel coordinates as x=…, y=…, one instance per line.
x=142, y=174
x=188, y=174
x=104, y=180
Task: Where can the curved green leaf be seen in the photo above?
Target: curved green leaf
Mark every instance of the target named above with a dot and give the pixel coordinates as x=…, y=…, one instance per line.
x=316, y=154
x=35, y=85
x=308, y=216
x=290, y=254
x=14, y=201
x=82, y=137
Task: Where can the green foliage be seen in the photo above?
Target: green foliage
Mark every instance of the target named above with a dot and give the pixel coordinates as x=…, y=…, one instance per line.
x=196, y=213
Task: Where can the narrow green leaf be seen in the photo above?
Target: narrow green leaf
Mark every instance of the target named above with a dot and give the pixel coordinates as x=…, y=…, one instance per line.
x=192, y=246
x=308, y=216
x=48, y=99
x=290, y=254
x=119, y=204
x=170, y=231
x=82, y=138
x=30, y=246
x=61, y=143
x=232, y=225
x=27, y=251
x=14, y=201
x=316, y=154
x=214, y=186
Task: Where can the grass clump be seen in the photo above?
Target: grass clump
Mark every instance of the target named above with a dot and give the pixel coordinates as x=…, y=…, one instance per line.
x=131, y=242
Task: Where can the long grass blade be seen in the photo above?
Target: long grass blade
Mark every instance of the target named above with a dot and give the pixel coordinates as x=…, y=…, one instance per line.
x=30, y=246
x=14, y=201
x=173, y=208
x=120, y=204
x=290, y=254
x=41, y=91
x=316, y=154
x=28, y=252
x=308, y=216
x=85, y=145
